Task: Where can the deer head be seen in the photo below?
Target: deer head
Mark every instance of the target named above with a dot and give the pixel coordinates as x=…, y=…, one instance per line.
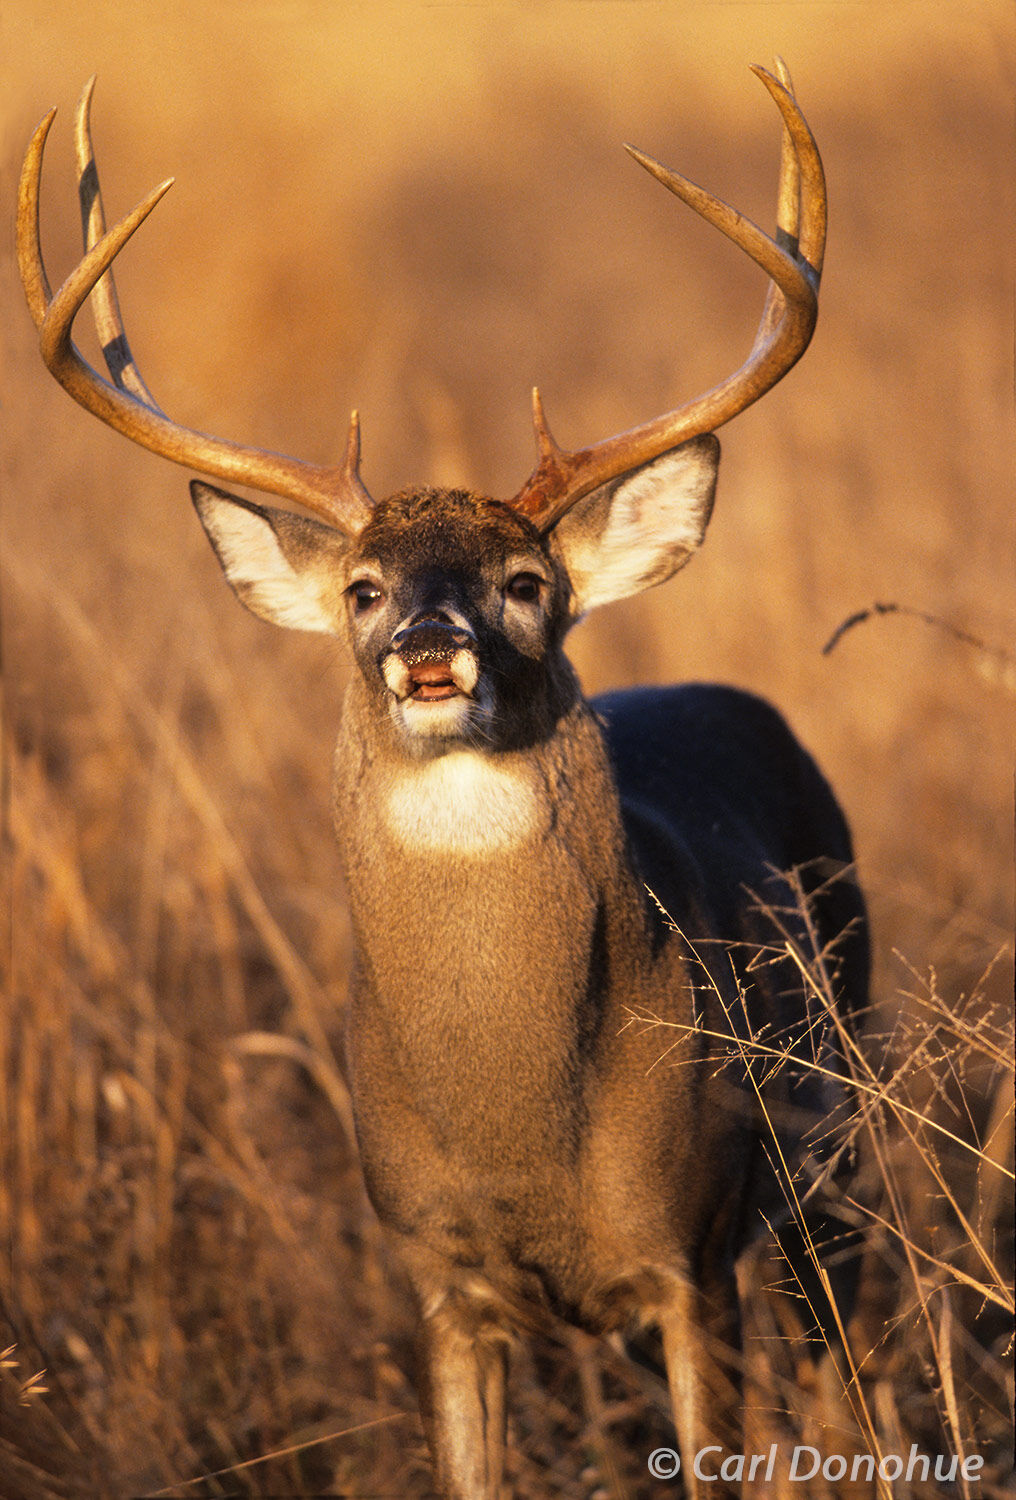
x=646, y=505
x=453, y=603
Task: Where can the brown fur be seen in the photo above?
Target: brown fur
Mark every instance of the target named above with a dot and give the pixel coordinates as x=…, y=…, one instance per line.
x=524, y=1151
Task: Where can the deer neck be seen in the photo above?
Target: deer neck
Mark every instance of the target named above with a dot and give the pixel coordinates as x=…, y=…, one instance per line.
x=492, y=901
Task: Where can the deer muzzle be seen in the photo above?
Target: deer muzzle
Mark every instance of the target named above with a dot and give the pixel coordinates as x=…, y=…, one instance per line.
x=430, y=661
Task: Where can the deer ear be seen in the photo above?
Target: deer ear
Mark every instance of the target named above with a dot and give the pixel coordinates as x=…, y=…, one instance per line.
x=281, y=566
x=638, y=530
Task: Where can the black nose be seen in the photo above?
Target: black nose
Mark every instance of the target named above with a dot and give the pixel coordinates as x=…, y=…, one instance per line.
x=432, y=638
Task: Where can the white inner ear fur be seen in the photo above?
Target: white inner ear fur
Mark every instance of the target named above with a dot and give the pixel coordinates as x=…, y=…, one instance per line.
x=259, y=570
x=638, y=531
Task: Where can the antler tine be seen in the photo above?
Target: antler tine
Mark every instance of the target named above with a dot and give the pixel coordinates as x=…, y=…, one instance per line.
x=334, y=493
x=788, y=204
x=105, y=303
x=545, y=442
x=802, y=180
x=793, y=262
x=788, y=211
x=33, y=272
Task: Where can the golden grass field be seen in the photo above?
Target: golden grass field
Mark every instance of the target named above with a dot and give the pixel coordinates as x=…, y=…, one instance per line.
x=421, y=210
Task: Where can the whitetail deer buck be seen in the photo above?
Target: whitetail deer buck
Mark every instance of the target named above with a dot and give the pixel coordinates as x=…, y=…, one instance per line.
x=499, y=834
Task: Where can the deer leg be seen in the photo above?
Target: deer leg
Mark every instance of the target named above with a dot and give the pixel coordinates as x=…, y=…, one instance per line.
x=462, y=1394
x=494, y=1363
x=701, y=1336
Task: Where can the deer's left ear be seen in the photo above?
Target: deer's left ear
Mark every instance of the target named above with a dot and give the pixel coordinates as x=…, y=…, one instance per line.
x=638, y=530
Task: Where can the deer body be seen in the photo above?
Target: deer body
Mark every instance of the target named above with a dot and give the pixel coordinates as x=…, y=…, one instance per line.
x=508, y=848
x=498, y=987
x=519, y=1140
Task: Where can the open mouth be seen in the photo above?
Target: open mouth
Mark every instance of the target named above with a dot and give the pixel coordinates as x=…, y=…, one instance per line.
x=431, y=681
x=429, y=671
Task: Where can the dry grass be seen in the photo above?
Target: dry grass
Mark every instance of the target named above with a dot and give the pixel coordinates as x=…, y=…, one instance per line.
x=928, y=1122
x=421, y=217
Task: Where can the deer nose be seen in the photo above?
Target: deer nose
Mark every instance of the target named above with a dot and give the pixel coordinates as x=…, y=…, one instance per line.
x=433, y=634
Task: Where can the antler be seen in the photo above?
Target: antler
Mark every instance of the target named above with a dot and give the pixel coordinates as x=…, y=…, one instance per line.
x=336, y=494
x=793, y=262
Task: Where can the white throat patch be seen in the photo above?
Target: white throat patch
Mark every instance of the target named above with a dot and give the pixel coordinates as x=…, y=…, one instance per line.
x=461, y=803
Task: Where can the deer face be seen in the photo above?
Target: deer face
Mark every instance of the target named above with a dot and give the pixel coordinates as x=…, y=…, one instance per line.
x=456, y=606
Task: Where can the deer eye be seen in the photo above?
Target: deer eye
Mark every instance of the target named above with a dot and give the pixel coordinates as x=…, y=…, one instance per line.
x=524, y=588
x=364, y=595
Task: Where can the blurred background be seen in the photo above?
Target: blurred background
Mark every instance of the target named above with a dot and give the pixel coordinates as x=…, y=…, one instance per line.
x=422, y=211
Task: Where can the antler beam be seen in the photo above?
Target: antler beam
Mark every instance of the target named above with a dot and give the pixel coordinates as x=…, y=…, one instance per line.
x=335, y=494
x=793, y=262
